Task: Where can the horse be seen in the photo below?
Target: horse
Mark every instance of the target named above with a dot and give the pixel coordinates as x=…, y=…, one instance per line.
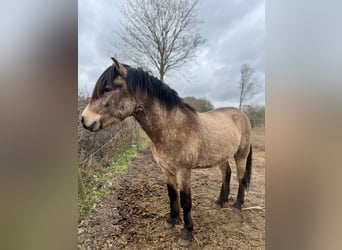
x=182, y=139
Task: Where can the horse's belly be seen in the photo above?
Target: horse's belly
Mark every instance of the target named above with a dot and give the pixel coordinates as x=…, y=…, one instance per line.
x=214, y=157
x=210, y=163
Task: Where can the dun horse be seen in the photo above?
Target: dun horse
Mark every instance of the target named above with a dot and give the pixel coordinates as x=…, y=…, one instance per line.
x=182, y=138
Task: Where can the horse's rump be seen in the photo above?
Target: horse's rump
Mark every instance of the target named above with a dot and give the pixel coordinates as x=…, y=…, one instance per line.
x=223, y=133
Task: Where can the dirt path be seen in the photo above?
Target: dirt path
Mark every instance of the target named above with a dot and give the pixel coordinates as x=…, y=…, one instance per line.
x=131, y=215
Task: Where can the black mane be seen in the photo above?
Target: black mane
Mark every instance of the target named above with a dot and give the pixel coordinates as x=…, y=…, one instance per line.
x=140, y=80
x=106, y=78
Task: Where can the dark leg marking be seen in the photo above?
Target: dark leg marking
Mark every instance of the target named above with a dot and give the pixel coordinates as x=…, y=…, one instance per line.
x=225, y=188
x=244, y=183
x=186, y=232
x=174, y=207
x=240, y=197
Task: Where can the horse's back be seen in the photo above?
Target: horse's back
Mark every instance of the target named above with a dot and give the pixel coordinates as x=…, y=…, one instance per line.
x=228, y=117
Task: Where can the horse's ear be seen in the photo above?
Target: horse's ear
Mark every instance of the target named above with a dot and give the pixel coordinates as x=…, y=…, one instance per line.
x=122, y=69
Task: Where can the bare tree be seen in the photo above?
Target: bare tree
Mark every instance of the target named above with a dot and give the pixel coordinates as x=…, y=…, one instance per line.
x=163, y=34
x=248, y=84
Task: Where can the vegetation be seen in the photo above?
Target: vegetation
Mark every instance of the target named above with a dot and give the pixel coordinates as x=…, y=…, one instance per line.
x=102, y=156
x=256, y=114
x=97, y=185
x=200, y=104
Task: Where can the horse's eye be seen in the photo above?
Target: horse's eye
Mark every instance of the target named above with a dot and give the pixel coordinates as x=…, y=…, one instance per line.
x=107, y=89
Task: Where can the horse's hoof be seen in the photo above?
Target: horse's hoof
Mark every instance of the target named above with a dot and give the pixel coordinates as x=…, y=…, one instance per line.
x=168, y=225
x=237, y=205
x=170, y=222
x=218, y=204
x=183, y=243
x=185, y=238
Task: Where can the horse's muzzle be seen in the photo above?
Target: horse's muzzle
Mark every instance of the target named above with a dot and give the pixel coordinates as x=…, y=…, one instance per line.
x=92, y=127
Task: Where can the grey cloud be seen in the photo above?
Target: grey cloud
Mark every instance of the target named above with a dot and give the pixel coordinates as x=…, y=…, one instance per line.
x=235, y=33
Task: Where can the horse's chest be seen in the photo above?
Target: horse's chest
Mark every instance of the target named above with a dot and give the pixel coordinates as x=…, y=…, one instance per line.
x=171, y=161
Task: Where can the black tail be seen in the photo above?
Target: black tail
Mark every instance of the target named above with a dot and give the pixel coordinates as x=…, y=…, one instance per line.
x=248, y=172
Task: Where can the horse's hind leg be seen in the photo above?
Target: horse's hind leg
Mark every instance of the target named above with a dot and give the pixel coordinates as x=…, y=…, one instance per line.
x=244, y=167
x=225, y=187
x=240, y=167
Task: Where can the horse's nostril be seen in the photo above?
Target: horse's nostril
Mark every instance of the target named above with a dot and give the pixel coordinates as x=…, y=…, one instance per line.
x=92, y=125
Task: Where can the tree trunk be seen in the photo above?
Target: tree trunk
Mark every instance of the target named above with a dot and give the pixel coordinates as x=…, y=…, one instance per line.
x=241, y=99
x=161, y=74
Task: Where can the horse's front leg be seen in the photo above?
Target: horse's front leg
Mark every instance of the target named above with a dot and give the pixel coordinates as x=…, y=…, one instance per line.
x=184, y=183
x=173, y=216
x=174, y=206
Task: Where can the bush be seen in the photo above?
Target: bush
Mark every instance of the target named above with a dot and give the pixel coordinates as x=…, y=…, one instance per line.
x=98, y=152
x=200, y=104
x=256, y=114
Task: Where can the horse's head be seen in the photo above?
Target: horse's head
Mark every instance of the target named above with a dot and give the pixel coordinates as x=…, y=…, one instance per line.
x=111, y=101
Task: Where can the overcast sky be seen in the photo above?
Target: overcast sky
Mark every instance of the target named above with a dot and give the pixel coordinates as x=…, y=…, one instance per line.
x=235, y=33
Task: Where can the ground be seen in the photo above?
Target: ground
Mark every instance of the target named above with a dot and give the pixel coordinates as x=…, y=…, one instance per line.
x=131, y=215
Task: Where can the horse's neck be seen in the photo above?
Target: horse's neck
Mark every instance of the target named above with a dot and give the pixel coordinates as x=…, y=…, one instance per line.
x=157, y=121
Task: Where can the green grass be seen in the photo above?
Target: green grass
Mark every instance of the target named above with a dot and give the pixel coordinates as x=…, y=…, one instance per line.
x=103, y=179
